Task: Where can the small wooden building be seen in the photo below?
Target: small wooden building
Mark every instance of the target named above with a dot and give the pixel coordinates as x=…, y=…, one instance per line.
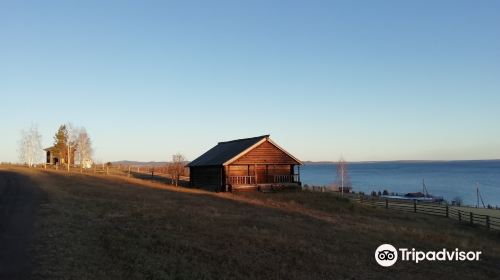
x=250, y=163
x=52, y=157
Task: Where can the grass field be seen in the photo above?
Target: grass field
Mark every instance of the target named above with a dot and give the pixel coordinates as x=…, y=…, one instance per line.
x=106, y=227
x=480, y=211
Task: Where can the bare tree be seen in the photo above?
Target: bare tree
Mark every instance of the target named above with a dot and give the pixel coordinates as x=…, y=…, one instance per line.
x=177, y=167
x=83, y=149
x=71, y=142
x=343, y=178
x=30, y=147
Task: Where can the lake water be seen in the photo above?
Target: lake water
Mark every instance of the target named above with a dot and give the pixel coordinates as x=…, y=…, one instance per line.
x=446, y=179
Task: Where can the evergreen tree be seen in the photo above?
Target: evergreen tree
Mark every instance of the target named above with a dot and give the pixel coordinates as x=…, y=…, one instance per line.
x=61, y=143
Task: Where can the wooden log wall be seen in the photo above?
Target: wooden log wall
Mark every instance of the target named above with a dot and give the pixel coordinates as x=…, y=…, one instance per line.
x=206, y=177
x=266, y=153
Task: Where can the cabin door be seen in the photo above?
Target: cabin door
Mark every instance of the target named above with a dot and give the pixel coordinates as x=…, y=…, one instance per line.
x=261, y=174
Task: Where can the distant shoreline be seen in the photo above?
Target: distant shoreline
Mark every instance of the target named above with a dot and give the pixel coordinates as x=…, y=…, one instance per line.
x=308, y=162
x=402, y=161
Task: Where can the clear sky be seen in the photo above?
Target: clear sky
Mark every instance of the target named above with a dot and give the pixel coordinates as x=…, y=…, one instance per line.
x=369, y=80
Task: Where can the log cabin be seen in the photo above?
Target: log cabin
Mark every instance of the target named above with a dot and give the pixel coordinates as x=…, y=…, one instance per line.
x=255, y=163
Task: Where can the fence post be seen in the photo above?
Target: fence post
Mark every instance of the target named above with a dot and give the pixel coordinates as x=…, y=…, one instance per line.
x=447, y=214
x=128, y=171
x=459, y=215
x=488, y=222
x=415, y=206
x=107, y=170
x=471, y=218
x=386, y=203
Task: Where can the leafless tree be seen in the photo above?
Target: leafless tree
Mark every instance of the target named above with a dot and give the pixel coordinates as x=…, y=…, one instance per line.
x=30, y=147
x=83, y=149
x=177, y=167
x=71, y=142
x=343, y=178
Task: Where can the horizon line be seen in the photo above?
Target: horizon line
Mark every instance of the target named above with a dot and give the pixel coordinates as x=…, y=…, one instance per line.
x=361, y=161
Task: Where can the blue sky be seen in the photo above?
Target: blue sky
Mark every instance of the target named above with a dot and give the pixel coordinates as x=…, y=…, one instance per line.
x=369, y=80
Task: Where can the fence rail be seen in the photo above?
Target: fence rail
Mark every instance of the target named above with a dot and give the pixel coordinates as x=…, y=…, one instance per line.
x=241, y=180
x=463, y=216
x=251, y=180
x=285, y=178
x=142, y=172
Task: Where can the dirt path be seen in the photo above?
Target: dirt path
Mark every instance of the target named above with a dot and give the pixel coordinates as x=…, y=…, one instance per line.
x=19, y=200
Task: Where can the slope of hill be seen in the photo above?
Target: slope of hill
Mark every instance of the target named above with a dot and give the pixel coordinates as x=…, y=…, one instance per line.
x=106, y=227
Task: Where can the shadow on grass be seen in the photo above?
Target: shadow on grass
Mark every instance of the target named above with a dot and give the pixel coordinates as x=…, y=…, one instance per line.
x=112, y=227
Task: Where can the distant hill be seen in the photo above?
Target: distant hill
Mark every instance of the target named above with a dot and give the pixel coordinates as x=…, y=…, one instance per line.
x=317, y=162
x=140, y=163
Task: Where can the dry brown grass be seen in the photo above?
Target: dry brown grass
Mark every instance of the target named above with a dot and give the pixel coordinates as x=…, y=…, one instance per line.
x=480, y=211
x=95, y=227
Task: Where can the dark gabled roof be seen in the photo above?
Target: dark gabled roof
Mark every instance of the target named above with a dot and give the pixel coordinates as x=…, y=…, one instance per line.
x=225, y=151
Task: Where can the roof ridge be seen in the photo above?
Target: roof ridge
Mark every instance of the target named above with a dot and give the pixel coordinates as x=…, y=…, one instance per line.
x=244, y=139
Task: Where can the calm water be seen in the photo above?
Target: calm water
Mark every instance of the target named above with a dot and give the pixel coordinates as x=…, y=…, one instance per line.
x=447, y=179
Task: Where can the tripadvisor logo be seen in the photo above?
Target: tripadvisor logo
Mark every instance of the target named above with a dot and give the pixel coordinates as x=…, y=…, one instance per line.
x=387, y=255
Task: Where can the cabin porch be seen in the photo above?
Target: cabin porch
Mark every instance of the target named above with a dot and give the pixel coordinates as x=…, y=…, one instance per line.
x=262, y=176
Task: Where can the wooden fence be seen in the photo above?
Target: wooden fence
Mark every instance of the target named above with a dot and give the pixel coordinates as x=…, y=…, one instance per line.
x=452, y=212
x=315, y=188
x=141, y=172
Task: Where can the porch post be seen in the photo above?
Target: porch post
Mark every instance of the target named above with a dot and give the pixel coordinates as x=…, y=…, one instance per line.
x=226, y=175
x=255, y=172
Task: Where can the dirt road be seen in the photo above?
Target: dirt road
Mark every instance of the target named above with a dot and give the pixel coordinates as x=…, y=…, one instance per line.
x=19, y=200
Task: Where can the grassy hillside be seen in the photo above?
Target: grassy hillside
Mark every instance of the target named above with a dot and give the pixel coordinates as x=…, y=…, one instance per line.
x=95, y=227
